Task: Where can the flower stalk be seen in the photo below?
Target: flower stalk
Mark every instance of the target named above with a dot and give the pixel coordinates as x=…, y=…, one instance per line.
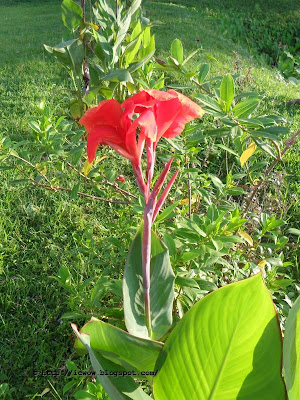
x=152, y=207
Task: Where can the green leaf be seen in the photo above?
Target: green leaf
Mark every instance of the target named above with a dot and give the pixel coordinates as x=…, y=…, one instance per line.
x=291, y=352
x=186, y=282
x=294, y=231
x=167, y=212
x=118, y=75
x=161, y=289
x=19, y=182
x=108, y=339
x=227, y=92
x=272, y=132
x=74, y=192
x=68, y=386
x=206, y=285
x=227, y=346
x=177, y=50
x=245, y=108
x=135, y=66
x=117, y=388
x=145, y=52
x=210, y=105
x=71, y=14
x=221, y=146
x=203, y=72
x=135, y=5
x=75, y=109
x=133, y=47
x=33, y=125
x=69, y=54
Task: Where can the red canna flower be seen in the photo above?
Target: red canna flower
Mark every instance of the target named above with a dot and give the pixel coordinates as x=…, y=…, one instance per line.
x=150, y=113
x=165, y=113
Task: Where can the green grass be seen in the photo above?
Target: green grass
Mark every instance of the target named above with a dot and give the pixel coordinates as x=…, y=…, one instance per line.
x=40, y=232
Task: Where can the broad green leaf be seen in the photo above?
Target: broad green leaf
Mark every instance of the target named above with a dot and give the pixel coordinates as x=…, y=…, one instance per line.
x=71, y=14
x=161, y=289
x=118, y=386
x=248, y=153
x=245, y=108
x=108, y=339
x=177, y=50
x=291, y=352
x=227, y=346
x=227, y=92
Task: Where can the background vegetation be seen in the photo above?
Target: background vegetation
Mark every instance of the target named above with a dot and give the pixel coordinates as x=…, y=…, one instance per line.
x=41, y=232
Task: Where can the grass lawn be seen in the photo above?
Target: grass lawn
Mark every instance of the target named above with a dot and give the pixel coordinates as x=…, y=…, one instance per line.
x=42, y=231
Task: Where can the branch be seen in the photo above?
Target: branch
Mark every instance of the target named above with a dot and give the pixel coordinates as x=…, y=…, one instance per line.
x=103, y=182
x=31, y=165
x=200, y=86
x=288, y=144
x=91, y=196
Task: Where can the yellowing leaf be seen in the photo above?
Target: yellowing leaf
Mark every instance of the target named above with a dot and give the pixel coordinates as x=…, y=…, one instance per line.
x=42, y=168
x=184, y=202
x=96, y=27
x=247, y=237
x=248, y=153
x=86, y=167
x=262, y=263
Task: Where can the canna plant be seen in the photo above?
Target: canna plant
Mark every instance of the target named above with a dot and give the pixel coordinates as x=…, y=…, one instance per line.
x=161, y=114
x=229, y=344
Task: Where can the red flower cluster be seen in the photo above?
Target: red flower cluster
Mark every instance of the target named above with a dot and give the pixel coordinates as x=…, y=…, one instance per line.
x=148, y=115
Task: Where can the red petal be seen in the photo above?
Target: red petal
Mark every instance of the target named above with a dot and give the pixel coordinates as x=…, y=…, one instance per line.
x=108, y=112
x=141, y=101
x=100, y=135
x=189, y=107
x=189, y=111
x=131, y=144
x=162, y=96
x=166, y=112
x=148, y=124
